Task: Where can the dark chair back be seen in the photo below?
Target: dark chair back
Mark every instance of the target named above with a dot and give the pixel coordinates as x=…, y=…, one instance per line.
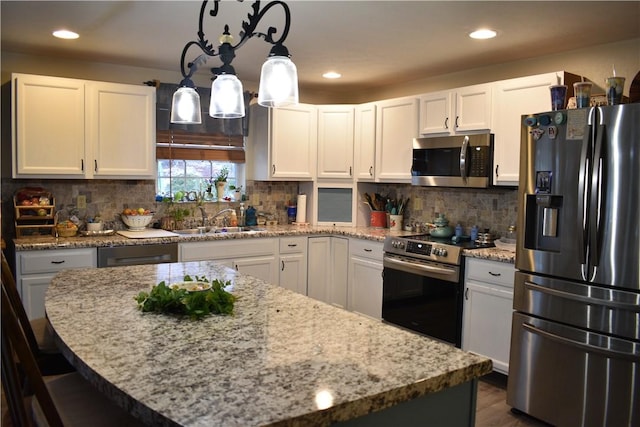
x=17, y=350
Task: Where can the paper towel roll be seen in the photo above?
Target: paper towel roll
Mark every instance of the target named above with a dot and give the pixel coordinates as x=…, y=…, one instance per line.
x=301, y=213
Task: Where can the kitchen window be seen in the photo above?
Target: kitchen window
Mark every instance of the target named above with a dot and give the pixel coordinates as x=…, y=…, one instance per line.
x=192, y=175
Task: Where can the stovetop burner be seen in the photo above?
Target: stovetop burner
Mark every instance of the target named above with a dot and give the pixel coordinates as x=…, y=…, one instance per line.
x=465, y=243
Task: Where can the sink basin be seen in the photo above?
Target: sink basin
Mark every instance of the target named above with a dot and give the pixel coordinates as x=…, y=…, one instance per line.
x=236, y=229
x=200, y=230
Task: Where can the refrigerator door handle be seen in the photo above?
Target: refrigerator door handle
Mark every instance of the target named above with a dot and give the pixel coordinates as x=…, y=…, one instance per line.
x=586, y=157
x=597, y=190
x=607, y=352
x=586, y=299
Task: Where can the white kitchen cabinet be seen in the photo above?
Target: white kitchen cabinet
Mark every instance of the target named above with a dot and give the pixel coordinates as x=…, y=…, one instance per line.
x=335, y=141
x=255, y=257
x=488, y=301
x=396, y=126
x=465, y=109
x=121, y=130
x=293, y=264
x=282, y=143
x=512, y=99
x=365, y=142
x=35, y=269
x=327, y=270
x=365, y=277
x=68, y=128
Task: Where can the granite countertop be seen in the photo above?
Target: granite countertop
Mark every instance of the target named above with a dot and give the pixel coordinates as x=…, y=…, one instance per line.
x=368, y=233
x=282, y=358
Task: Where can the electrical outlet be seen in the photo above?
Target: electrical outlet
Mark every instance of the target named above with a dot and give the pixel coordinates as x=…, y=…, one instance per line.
x=81, y=202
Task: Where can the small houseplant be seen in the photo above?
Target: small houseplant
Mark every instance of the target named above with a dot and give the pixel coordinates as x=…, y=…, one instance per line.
x=221, y=182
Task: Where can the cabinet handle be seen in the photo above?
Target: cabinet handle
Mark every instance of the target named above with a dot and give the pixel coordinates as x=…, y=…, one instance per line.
x=368, y=250
x=237, y=267
x=292, y=245
x=446, y=123
x=466, y=294
x=495, y=274
x=273, y=169
x=497, y=166
x=457, y=117
x=95, y=166
x=282, y=269
x=350, y=171
x=57, y=262
x=82, y=165
x=370, y=170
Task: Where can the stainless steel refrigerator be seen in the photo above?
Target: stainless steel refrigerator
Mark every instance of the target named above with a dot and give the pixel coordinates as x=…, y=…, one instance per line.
x=575, y=343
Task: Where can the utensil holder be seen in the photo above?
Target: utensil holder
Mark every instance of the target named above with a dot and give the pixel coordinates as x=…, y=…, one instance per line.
x=378, y=219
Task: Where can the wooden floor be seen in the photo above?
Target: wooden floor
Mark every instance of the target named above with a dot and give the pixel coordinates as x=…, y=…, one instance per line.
x=491, y=409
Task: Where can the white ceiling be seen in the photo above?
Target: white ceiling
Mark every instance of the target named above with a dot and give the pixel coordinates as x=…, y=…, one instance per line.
x=369, y=42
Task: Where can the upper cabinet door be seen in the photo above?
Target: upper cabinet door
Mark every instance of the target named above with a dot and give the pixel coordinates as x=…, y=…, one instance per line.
x=473, y=108
x=396, y=126
x=435, y=110
x=365, y=142
x=512, y=99
x=121, y=130
x=48, y=127
x=294, y=136
x=335, y=141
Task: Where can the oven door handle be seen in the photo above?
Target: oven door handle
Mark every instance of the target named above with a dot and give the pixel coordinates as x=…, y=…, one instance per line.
x=412, y=267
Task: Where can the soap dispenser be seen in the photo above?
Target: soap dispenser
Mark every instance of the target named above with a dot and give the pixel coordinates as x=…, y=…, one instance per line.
x=241, y=217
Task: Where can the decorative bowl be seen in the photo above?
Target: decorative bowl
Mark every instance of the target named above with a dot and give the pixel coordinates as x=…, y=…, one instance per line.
x=66, y=229
x=136, y=222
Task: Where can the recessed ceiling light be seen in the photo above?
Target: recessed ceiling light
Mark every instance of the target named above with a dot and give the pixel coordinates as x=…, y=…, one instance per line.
x=332, y=75
x=482, y=34
x=65, y=34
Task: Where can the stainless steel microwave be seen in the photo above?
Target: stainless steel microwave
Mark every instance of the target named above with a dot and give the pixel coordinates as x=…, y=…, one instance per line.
x=453, y=161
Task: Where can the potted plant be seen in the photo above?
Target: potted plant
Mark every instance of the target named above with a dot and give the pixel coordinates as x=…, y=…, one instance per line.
x=221, y=182
x=237, y=192
x=174, y=215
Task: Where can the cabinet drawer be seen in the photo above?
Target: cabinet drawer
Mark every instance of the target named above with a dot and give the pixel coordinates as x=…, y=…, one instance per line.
x=366, y=249
x=52, y=261
x=290, y=245
x=499, y=273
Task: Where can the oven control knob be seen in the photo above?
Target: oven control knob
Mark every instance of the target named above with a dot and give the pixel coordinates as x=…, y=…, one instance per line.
x=443, y=252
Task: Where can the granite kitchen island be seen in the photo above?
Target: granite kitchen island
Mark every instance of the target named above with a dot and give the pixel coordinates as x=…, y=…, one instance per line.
x=280, y=359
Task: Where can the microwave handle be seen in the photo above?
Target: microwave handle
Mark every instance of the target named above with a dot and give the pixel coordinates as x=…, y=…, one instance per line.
x=463, y=158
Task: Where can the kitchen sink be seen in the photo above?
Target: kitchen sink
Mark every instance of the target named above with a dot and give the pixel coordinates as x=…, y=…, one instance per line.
x=236, y=229
x=218, y=230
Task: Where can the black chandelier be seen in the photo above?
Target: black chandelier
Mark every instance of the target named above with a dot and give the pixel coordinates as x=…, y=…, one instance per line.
x=278, y=79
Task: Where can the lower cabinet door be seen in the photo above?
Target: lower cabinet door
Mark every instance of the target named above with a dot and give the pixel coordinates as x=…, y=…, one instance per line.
x=264, y=268
x=487, y=323
x=293, y=272
x=365, y=287
x=34, y=289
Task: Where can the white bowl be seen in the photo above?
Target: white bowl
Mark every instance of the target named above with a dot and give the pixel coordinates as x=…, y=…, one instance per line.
x=136, y=222
x=94, y=226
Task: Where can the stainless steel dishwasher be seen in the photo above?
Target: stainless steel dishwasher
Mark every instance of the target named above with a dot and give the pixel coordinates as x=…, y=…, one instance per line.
x=137, y=254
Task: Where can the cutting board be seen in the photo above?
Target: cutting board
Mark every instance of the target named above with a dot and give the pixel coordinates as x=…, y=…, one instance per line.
x=148, y=233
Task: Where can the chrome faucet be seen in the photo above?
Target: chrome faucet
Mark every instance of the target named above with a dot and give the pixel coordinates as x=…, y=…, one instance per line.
x=222, y=212
x=204, y=216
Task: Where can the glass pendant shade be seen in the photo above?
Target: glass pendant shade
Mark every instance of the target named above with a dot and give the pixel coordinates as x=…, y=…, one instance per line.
x=278, y=82
x=185, y=106
x=227, y=101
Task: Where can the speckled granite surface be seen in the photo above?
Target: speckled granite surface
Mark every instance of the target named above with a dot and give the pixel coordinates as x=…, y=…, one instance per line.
x=368, y=233
x=282, y=358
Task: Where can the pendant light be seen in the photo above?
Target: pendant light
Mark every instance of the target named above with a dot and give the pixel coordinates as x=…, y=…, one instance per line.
x=185, y=105
x=278, y=79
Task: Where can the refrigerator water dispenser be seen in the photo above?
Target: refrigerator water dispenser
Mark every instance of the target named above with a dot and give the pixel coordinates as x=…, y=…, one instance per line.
x=542, y=222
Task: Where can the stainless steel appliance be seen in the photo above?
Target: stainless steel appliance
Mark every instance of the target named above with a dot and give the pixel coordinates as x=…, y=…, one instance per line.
x=137, y=254
x=453, y=161
x=422, y=285
x=575, y=345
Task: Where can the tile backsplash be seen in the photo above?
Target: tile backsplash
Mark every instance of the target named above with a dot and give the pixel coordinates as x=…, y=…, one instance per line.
x=491, y=208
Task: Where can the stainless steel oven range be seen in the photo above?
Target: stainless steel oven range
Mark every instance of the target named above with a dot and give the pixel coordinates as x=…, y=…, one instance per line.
x=423, y=285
